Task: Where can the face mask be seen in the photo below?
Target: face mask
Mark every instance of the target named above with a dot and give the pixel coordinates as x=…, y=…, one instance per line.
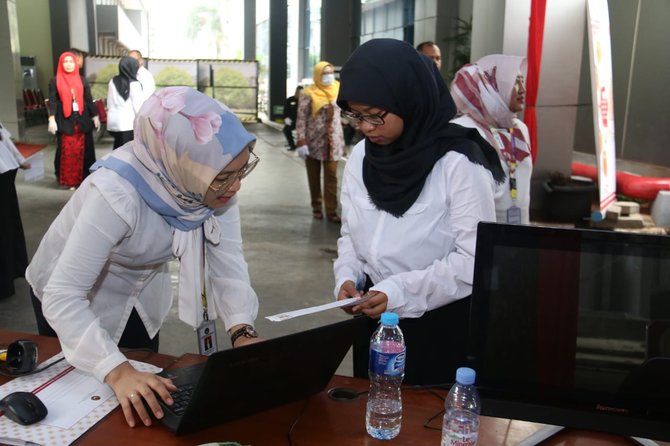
x=327, y=79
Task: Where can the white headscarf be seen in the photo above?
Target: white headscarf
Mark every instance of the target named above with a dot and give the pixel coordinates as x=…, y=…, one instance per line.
x=182, y=140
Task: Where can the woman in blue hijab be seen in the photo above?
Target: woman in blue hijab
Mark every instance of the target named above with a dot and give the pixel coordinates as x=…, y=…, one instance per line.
x=100, y=275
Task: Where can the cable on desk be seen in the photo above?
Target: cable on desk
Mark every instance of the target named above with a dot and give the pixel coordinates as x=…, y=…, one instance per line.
x=32, y=372
x=426, y=423
x=296, y=420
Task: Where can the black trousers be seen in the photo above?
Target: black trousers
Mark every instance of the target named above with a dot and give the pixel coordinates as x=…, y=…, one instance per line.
x=120, y=138
x=134, y=335
x=288, y=133
x=436, y=344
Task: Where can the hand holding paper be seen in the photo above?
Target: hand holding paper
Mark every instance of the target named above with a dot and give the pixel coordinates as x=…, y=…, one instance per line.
x=309, y=310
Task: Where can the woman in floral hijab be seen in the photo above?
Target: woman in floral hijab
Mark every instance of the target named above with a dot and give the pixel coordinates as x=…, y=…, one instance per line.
x=100, y=275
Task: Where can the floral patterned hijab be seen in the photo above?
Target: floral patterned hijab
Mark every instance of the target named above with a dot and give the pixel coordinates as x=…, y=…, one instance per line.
x=183, y=139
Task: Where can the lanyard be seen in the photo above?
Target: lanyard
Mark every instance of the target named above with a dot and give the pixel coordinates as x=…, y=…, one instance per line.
x=509, y=159
x=203, y=295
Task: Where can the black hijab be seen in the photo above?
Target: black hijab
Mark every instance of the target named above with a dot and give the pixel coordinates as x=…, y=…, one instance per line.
x=391, y=75
x=127, y=73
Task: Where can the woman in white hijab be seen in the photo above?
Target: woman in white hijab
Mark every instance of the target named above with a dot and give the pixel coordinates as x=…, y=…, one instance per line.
x=100, y=275
x=489, y=93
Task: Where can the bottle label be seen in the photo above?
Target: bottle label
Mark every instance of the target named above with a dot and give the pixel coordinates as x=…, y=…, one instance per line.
x=389, y=364
x=459, y=439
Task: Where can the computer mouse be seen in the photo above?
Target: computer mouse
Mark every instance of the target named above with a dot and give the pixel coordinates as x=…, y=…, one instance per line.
x=23, y=408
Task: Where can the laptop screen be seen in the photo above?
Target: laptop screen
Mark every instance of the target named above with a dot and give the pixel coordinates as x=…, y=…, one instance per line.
x=573, y=319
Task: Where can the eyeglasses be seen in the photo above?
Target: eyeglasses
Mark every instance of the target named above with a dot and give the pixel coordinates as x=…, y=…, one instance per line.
x=219, y=187
x=370, y=119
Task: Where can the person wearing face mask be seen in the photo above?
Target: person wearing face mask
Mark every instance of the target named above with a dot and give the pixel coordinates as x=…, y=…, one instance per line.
x=320, y=139
x=72, y=117
x=100, y=277
x=489, y=93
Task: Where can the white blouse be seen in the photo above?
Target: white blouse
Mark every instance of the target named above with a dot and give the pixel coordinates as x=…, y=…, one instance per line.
x=424, y=259
x=106, y=253
x=523, y=172
x=121, y=112
x=10, y=157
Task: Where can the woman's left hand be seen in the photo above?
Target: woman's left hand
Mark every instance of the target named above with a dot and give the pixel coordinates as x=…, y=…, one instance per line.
x=374, y=306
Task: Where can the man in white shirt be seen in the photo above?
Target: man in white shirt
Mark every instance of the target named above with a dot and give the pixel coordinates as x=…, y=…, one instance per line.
x=144, y=76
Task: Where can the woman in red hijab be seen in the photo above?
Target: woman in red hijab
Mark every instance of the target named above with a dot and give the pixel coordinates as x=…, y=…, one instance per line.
x=72, y=117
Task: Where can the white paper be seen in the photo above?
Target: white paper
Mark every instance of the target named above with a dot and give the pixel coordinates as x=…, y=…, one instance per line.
x=36, y=171
x=75, y=401
x=72, y=396
x=309, y=310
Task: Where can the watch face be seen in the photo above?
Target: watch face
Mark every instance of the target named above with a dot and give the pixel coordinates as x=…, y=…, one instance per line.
x=249, y=332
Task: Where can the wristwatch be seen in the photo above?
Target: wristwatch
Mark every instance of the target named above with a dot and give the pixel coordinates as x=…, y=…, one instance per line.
x=246, y=330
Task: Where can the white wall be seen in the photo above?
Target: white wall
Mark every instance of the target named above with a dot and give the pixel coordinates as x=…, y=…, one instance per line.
x=76, y=13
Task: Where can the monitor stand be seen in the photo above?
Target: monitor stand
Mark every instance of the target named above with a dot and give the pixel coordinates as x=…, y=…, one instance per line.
x=550, y=430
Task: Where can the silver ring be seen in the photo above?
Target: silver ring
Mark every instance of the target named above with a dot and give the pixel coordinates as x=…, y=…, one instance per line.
x=131, y=396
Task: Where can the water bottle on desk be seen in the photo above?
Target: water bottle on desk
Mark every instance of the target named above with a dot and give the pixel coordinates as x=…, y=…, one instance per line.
x=461, y=411
x=386, y=371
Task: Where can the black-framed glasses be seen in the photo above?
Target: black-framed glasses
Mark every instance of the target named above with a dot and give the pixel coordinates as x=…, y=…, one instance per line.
x=356, y=117
x=219, y=187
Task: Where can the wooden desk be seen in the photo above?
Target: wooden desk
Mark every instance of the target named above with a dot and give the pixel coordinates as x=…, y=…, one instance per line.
x=321, y=420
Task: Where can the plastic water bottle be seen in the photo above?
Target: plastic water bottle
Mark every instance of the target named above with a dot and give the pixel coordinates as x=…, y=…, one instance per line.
x=462, y=407
x=387, y=369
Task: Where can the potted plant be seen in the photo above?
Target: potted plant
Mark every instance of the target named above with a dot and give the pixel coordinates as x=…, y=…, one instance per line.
x=569, y=198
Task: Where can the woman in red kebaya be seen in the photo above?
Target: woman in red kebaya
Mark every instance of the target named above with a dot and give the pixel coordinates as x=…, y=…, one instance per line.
x=72, y=117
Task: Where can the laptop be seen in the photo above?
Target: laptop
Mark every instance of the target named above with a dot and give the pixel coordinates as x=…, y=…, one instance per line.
x=246, y=380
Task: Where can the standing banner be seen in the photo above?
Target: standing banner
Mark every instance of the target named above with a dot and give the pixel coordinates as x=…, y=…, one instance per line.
x=534, y=59
x=600, y=52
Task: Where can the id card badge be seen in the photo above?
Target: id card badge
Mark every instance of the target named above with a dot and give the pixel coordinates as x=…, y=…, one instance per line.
x=514, y=215
x=207, y=338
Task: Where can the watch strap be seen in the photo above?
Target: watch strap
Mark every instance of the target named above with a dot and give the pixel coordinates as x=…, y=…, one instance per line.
x=246, y=330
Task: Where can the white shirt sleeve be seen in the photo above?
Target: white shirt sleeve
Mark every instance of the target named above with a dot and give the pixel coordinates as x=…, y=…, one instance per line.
x=347, y=266
x=469, y=190
x=136, y=97
x=86, y=345
x=235, y=300
x=10, y=157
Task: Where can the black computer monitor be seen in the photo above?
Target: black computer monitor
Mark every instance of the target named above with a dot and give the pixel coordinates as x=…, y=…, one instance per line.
x=571, y=327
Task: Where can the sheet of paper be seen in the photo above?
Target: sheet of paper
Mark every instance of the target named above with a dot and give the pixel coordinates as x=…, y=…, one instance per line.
x=309, y=310
x=75, y=401
x=36, y=171
x=70, y=396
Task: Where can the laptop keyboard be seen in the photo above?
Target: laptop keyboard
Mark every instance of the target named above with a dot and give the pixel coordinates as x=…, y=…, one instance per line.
x=181, y=398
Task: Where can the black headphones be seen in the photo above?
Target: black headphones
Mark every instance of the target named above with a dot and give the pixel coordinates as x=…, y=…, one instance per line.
x=21, y=357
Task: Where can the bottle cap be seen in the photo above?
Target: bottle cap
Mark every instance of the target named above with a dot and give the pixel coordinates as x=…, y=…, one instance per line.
x=389, y=318
x=465, y=375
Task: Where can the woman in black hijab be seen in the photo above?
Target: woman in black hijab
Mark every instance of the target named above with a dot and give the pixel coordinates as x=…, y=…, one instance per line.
x=124, y=99
x=413, y=192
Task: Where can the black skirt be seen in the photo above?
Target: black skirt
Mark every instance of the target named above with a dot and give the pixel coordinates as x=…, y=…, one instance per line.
x=13, y=254
x=437, y=344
